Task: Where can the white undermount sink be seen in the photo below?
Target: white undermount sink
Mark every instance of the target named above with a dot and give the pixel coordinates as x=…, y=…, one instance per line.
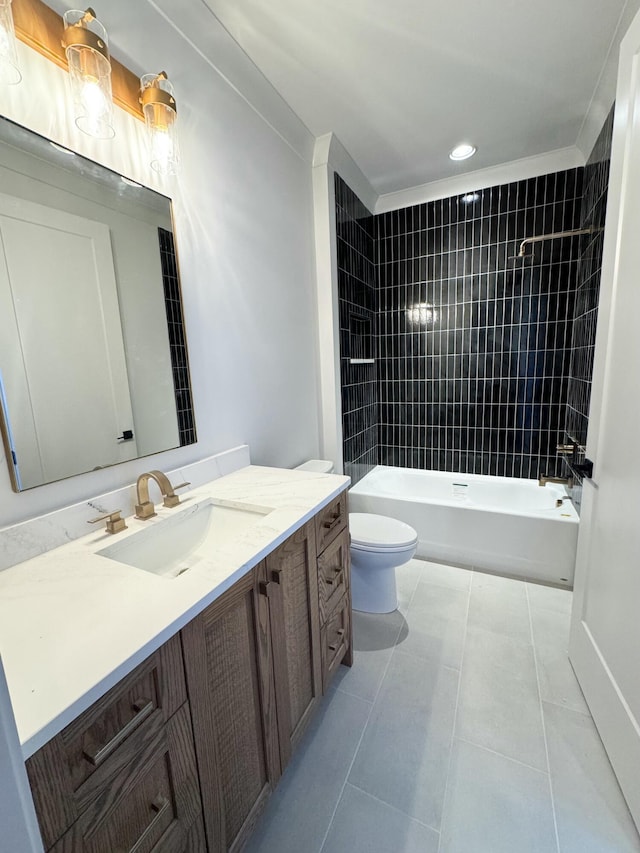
x=174, y=545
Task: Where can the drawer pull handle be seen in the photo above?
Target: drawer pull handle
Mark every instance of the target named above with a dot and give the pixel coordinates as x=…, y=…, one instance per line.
x=159, y=806
x=336, y=517
x=336, y=646
x=265, y=588
x=143, y=708
x=335, y=579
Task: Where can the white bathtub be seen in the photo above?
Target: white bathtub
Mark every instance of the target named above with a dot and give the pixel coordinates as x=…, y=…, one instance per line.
x=502, y=524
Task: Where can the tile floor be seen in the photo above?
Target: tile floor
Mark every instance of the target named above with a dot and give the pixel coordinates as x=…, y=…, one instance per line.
x=460, y=729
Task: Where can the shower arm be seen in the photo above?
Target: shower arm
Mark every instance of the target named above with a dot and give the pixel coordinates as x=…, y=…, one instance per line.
x=557, y=235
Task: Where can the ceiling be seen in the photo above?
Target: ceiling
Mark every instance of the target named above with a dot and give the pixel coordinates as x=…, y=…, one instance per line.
x=401, y=83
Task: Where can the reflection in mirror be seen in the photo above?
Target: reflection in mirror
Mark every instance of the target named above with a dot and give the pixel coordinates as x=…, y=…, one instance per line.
x=93, y=357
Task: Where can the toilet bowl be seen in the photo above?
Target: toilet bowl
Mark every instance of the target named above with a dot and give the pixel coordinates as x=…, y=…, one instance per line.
x=378, y=545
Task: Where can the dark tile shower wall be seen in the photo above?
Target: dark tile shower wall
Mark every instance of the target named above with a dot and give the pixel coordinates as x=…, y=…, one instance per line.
x=177, y=338
x=473, y=346
x=358, y=304
x=596, y=182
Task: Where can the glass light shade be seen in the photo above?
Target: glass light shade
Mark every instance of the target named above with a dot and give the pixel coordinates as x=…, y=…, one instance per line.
x=86, y=48
x=9, y=68
x=160, y=116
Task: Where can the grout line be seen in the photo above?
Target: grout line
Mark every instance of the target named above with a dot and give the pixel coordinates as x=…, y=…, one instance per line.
x=544, y=728
x=364, y=728
x=353, y=695
x=455, y=716
x=502, y=755
x=395, y=808
x=569, y=708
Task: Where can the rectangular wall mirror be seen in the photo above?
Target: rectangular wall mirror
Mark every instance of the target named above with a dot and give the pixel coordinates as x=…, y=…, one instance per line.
x=93, y=358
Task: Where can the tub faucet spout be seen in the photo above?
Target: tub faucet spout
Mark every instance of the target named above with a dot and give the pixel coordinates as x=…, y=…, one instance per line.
x=562, y=481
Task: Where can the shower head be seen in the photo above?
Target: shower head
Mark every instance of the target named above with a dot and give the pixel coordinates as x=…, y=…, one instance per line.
x=529, y=241
x=522, y=255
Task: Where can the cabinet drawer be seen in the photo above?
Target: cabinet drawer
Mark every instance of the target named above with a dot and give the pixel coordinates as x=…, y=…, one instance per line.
x=330, y=521
x=68, y=772
x=333, y=574
x=151, y=806
x=335, y=641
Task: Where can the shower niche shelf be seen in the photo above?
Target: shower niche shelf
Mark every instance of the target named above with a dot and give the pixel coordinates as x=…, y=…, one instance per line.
x=360, y=339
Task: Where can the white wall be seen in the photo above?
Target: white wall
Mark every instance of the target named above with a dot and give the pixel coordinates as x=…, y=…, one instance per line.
x=243, y=211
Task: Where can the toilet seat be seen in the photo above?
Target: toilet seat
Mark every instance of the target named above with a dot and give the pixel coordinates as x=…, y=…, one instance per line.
x=371, y=532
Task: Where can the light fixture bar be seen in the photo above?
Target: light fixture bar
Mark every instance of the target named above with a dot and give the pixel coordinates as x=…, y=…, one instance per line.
x=39, y=27
x=9, y=68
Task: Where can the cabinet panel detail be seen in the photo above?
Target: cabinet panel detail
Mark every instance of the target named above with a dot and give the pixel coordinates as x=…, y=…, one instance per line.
x=68, y=771
x=150, y=806
x=336, y=638
x=295, y=631
x=331, y=520
x=333, y=574
x=225, y=652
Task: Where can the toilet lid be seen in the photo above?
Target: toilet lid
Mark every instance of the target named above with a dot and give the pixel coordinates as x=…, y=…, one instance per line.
x=320, y=466
x=380, y=532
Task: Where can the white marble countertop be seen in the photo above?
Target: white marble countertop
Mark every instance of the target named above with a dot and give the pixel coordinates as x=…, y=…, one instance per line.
x=73, y=623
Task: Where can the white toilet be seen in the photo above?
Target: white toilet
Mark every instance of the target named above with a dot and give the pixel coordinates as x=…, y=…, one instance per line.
x=378, y=545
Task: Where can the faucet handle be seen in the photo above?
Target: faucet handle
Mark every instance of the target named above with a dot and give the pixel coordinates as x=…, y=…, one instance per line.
x=173, y=499
x=566, y=449
x=115, y=523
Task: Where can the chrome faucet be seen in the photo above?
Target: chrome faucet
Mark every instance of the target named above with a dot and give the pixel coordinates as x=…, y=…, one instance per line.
x=144, y=506
x=562, y=481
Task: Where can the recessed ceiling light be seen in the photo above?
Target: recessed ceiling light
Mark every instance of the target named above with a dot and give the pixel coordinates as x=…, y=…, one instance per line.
x=469, y=198
x=62, y=148
x=463, y=151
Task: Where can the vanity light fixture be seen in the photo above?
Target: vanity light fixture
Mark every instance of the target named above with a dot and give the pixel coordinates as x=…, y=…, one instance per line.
x=462, y=151
x=9, y=68
x=160, y=114
x=87, y=50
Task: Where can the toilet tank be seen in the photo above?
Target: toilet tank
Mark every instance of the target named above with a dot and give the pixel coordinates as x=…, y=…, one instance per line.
x=320, y=466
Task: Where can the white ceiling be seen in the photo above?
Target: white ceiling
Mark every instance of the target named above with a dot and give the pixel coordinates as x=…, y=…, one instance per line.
x=401, y=83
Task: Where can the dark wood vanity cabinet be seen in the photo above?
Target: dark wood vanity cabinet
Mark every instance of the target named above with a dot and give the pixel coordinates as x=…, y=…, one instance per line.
x=193, y=741
x=227, y=653
x=292, y=592
x=122, y=776
x=253, y=667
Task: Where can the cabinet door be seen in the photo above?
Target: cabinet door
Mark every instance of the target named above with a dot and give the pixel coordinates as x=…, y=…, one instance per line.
x=334, y=568
x=230, y=684
x=292, y=590
x=151, y=806
x=75, y=768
